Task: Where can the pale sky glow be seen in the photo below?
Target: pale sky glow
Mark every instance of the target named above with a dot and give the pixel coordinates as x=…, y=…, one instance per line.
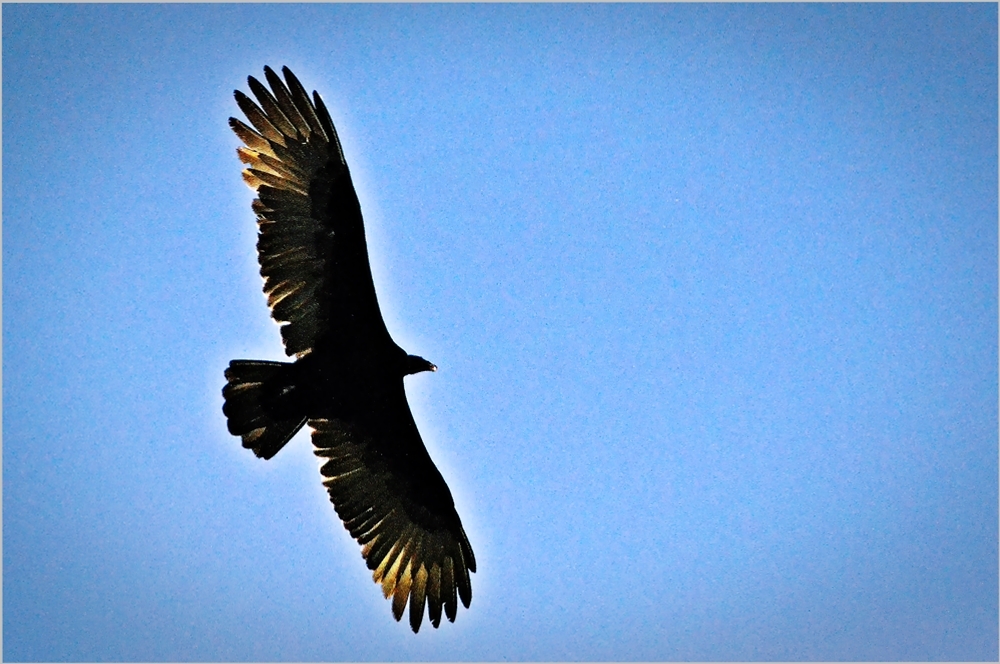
x=712, y=290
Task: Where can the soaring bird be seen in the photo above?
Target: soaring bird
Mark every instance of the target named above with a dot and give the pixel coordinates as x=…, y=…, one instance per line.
x=346, y=382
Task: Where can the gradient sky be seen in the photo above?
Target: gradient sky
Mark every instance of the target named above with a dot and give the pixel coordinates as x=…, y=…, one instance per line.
x=712, y=290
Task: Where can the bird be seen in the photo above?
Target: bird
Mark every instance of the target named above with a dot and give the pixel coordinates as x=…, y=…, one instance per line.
x=346, y=381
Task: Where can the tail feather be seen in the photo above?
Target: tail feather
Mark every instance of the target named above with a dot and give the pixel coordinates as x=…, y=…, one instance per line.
x=249, y=383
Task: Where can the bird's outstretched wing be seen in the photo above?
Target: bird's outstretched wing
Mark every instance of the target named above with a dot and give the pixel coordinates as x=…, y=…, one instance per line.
x=395, y=503
x=311, y=246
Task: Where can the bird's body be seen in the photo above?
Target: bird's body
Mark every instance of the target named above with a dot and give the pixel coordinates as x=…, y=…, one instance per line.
x=347, y=379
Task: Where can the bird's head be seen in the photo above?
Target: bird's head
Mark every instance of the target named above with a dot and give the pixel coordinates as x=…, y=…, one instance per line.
x=415, y=364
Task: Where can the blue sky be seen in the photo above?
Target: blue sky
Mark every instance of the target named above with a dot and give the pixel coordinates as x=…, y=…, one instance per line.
x=712, y=290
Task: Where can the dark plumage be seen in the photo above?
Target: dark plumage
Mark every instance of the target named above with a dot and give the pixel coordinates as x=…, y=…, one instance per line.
x=347, y=379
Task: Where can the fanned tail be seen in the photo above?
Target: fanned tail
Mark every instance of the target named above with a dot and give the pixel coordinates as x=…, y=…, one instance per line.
x=250, y=391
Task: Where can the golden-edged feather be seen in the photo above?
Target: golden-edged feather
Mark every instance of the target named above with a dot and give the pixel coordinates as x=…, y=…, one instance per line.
x=290, y=145
x=425, y=565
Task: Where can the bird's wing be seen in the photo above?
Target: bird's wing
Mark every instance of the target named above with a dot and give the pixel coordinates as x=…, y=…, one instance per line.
x=394, y=502
x=311, y=243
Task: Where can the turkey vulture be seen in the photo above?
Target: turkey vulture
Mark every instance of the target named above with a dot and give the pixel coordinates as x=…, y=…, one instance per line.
x=346, y=382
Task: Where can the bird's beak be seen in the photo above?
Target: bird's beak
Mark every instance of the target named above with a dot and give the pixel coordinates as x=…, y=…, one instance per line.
x=434, y=367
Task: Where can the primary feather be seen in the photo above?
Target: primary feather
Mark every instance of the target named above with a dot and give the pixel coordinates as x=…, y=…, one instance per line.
x=347, y=379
